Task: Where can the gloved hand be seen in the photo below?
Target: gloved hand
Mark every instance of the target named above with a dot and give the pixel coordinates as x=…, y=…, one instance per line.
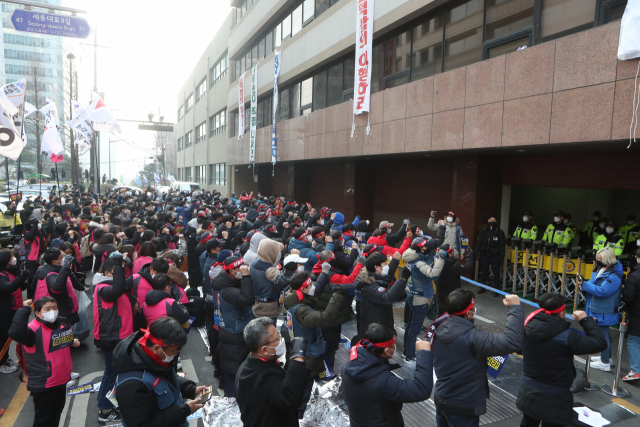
x=67, y=261
x=362, y=260
x=470, y=252
x=326, y=267
x=406, y=273
x=441, y=254
x=117, y=259
x=298, y=347
x=25, y=274
x=405, y=222
x=340, y=291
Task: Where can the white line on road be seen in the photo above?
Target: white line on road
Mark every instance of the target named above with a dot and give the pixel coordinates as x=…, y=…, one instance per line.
x=81, y=403
x=484, y=319
x=189, y=369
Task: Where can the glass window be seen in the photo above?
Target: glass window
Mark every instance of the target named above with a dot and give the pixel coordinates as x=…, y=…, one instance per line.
x=254, y=55
x=322, y=6
x=269, y=42
x=509, y=47
x=261, y=45
x=463, y=43
x=247, y=118
x=249, y=3
x=247, y=61
x=268, y=111
x=296, y=20
x=284, y=105
x=238, y=69
x=427, y=48
x=306, y=92
x=244, y=8
x=334, y=95
x=396, y=53
x=308, y=11
x=398, y=81
x=242, y=68
x=563, y=17
x=507, y=16
x=260, y=115
x=223, y=117
x=616, y=12
x=349, y=72
x=286, y=28
x=278, y=36
x=294, y=103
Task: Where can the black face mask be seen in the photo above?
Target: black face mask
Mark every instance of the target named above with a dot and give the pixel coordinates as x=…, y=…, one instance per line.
x=600, y=264
x=492, y=224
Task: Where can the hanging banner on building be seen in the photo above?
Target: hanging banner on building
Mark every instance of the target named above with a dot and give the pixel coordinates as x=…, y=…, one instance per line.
x=364, y=38
x=276, y=73
x=254, y=114
x=241, y=107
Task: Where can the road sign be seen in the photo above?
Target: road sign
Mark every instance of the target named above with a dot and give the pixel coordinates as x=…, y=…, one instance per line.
x=157, y=128
x=32, y=21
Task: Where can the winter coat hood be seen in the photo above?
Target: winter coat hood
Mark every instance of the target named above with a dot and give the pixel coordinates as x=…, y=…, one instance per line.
x=339, y=219
x=252, y=215
x=269, y=251
x=366, y=366
x=46, y=269
x=223, y=280
x=543, y=327
x=153, y=297
x=452, y=328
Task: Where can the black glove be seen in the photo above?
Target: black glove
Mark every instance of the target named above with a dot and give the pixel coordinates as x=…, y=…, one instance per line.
x=298, y=347
x=406, y=273
x=67, y=261
x=340, y=291
x=117, y=259
x=25, y=274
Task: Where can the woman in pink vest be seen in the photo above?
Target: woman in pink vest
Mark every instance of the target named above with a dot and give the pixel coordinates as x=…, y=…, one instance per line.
x=12, y=283
x=146, y=254
x=46, y=342
x=159, y=302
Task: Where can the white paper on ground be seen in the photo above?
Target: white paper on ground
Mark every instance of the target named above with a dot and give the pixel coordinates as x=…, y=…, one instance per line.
x=589, y=417
x=96, y=387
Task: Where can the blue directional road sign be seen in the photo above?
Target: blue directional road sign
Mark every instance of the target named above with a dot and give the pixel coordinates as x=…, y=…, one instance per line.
x=51, y=24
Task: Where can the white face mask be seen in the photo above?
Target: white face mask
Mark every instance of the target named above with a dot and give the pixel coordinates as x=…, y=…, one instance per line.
x=309, y=239
x=239, y=276
x=419, y=233
x=167, y=359
x=602, y=225
x=280, y=349
x=322, y=222
x=385, y=270
x=50, y=316
x=13, y=261
x=609, y=230
x=449, y=219
x=630, y=222
x=57, y=219
x=566, y=221
x=525, y=218
x=556, y=219
x=301, y=268
x=474, y=314
x=311, y=290
x=153, y=275
x=638, y=242
x=211, y=274
x=596, y=218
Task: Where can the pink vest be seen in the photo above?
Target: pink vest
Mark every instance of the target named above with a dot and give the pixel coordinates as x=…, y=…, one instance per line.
x=154, y=312
x=139, y=263
x=116, y=318
x=184, y=298
x=43, y=291
x=140, y=288
x=51, y=370
x=16, y=296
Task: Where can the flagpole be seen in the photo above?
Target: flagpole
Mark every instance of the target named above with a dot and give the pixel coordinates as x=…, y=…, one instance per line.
x=58, y=179
x=6, y=164
x=22, y=133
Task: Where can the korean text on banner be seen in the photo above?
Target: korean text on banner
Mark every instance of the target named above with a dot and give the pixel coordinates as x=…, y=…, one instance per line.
x=241, y=107
x=364, y=38
x=254, y=114
x=276, y=73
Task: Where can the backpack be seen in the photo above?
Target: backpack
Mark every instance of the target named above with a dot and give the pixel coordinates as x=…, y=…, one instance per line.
x=195, y=307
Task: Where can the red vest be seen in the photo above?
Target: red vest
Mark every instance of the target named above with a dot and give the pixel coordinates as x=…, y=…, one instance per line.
x=112, y=321
x=154, y=312
x=43, y=291
x=46, y=369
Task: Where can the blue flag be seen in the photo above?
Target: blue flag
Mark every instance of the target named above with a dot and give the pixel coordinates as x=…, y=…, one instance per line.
x=144, y=178
x=138, y=182
x=156, y=177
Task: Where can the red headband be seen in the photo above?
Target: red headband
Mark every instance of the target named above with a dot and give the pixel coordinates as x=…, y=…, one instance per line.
x=421, y=244
x=385, y=344
x=206, y=239
x=233, y=265
x=306, y=284
x=366, y=343
x=332, y=257
x=366, y=254
x=305, y=234
x=473, y=302
x=532, y=315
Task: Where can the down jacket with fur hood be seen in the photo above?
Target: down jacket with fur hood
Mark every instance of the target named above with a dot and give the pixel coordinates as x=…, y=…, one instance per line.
x=264, y=268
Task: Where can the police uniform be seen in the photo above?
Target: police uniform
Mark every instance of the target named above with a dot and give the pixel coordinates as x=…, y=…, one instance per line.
x=526, y=230
x=559, y=234
x=629, y=234
x=613, y=241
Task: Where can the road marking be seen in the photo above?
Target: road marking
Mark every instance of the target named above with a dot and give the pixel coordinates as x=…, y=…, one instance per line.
x=626, y=405
x=189, y=369
x=580, y=359
x=81, y=403
x=15, y=407
x=484, y=319
x=207, y=358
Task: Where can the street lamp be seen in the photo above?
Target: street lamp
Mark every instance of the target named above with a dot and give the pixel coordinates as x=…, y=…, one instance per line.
x=150, y=115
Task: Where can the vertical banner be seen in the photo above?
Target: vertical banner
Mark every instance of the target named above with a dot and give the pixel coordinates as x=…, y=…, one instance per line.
x=364, y=38
x=254, y=114
x=241, y=107
x=276, y=72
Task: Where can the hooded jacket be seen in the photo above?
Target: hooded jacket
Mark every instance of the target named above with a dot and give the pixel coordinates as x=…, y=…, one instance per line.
x=310, y=318
x=427, y=272
x=452, y=232
x=137, y=403
x=460, y=354
x=57, y=282
x=378, y=293
x=308, y=251
x=450, y=276
x=263, y=274
x=175, y=309
x=603, y=295
x=548, y=371
x=389, y=239
x=10, y=299
x=374, y=395
x=101, y=251
x=252, y=253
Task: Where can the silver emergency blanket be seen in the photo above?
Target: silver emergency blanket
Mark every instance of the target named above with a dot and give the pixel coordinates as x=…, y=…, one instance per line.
x=326, y=408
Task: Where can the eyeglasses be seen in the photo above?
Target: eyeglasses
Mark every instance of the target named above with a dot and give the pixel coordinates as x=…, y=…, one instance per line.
x=279, y=337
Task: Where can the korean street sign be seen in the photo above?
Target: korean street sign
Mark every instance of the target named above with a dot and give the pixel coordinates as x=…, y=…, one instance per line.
x=157, y=128
x=50, y=24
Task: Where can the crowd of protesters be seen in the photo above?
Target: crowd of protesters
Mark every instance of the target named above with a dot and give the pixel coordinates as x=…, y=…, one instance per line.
x=272, y=279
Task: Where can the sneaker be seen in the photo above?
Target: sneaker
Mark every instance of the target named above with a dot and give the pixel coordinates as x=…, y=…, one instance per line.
x=12, y=363
x=480, y=291
x=5, y=369
x=598, y=359
x=631, y=376
x=112, y=415
x=601, y=366
x=71, y=383
x=179, y=366
x=75, y=375
x=410, y=362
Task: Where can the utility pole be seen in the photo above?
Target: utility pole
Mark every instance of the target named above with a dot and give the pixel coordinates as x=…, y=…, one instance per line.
x=95, y=147
x=74, y=170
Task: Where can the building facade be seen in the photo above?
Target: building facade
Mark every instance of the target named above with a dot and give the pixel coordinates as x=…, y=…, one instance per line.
x=462, y=119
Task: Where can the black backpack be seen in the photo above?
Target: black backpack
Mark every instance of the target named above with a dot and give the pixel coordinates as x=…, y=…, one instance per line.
x=195, y=307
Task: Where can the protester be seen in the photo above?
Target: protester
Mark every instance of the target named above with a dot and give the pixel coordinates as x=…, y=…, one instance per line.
x=603, y=298
x=373, y=394
x=548, y=371
x=48, y=368
x=269, y=396
x=12, y=283
x=450, y=277
x=460, y=353
x=159, y=302
x=490, y=252
x=631, y=298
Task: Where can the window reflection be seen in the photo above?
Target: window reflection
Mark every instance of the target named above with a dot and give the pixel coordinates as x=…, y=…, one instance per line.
x=427, y=48
x=507, y=16
x=563, y=17
x=463, y=43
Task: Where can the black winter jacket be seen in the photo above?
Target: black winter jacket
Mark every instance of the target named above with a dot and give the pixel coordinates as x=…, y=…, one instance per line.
x=631, y=298
x=269, y=396
x=378, y=296
x=491, y=242
x=58, y=283
x=137, y=404
x=8, y=288
x=374, y=395
x=449, y=278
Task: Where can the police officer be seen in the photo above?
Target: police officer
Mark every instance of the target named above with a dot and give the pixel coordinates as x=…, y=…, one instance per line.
x=629, y=234
x=490, y=253
x=557, y=232
x=572, y=229
x=587, y=237
x=610, y=239
x=526, y=229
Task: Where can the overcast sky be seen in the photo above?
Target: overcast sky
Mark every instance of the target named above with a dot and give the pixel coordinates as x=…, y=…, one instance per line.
x=152, y=47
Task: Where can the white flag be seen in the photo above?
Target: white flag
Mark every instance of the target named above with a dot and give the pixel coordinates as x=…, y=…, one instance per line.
x=10, y=142
x=50, y=112
x=14, y=94
x=80, y=125
x=51, y=143
x=98, y=112
x=364, y=38
x=29, y=109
